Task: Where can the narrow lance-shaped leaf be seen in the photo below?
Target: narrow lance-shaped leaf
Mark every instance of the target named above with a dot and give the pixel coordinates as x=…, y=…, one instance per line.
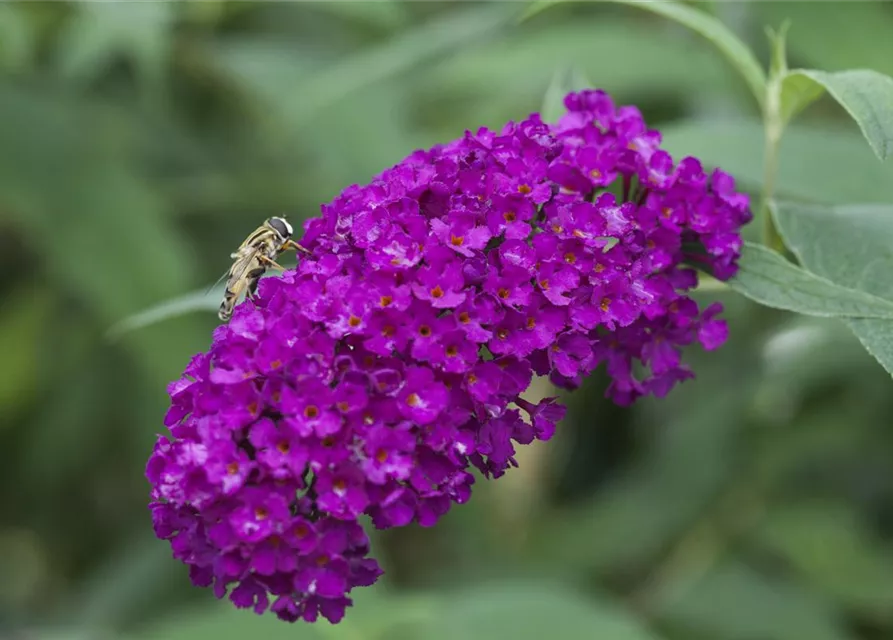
x=860, y=571
x=766, y=277
x=732, y=600
x=201, y=300
x=715, y=31
x=563, y=82
x=528, y=611
x=376, y=64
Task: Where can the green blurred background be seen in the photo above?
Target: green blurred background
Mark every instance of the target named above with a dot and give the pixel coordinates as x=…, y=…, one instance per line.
x=140, y=143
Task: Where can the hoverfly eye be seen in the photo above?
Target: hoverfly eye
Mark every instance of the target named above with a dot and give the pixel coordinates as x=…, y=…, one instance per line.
x=282, y=227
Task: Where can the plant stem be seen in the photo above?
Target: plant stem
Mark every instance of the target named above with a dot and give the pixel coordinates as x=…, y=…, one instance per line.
x=774, y=124
x=771, y=237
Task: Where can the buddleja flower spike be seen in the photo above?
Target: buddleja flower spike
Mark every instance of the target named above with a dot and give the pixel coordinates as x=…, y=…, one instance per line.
x=374, y=376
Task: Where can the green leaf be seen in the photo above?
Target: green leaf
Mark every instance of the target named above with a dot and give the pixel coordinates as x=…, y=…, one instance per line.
x=347, y=148
x=221, y=621
x=563, y=82
x=632, y=520
x=266, y=69
x=100, y=31
x=865, y=94
x=102, y=228
x=733, y=602
x=715, y=31
x=380, y=14
x=833, y=551
x=553, y=102
x=807, y=435
x=531, y=611
x=326, y=84
x=52, y=454
x=502, y=78
x=376, y=614
x=129, y=576
x=809, y=164
x=797, y=93
x=788, y=94
x=850, y=245
x=766, y=277
x=199, y=300
x=800, y=356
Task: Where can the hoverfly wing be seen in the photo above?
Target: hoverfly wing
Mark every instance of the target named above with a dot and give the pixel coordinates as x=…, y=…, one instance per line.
x=222, y=277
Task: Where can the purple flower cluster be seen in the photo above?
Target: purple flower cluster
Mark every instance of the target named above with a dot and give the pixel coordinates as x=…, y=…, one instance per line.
x=372, y=378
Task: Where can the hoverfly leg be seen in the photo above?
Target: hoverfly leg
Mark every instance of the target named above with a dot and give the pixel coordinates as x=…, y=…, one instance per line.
x=271, y=263
x=291, y=244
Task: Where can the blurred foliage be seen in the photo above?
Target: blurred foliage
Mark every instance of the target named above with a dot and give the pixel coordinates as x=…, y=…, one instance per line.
x=139, y=143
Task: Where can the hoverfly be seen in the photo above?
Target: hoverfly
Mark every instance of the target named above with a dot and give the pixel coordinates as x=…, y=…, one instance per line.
x=252, y=259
